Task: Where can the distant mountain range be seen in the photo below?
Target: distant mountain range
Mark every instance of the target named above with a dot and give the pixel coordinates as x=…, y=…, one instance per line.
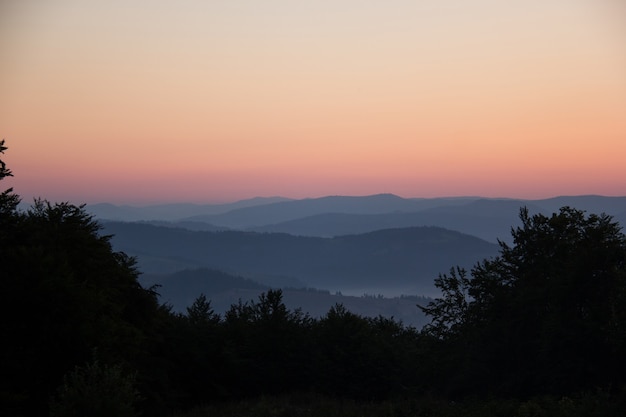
x=173, y=212
x=489, y=219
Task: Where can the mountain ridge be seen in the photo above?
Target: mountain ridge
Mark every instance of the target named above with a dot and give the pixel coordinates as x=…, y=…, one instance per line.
x=393, y=259
x=488, y=218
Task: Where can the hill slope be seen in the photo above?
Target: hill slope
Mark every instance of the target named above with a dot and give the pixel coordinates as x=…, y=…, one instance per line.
x=393, y=260
x=487, y=219
x=181, y=288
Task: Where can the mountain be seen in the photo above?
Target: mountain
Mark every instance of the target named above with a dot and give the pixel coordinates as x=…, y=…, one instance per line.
x=181, y=288
x=186, y=224
x=387, y=261
x=487, y=219
x=172, y=212
x=242, y=214
x=290, y=210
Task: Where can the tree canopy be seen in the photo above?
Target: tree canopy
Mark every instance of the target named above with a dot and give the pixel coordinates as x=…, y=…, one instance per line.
x=68, y=296
x=547, y=315
x=8, y=200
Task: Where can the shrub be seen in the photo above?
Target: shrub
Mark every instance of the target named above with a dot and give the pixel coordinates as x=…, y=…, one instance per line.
x=96, y=390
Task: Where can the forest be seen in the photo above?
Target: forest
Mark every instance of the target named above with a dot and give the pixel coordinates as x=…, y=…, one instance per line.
x=538, y=330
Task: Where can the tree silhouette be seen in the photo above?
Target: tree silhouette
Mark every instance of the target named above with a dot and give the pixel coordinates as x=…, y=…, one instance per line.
x=4, y=172
x=548, y=315
x=8, y=200
x=201, y=312
x=67, y=293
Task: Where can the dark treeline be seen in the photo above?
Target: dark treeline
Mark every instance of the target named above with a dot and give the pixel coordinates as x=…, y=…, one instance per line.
x=81, y=336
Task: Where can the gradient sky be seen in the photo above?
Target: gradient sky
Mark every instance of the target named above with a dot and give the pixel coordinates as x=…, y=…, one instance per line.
x=151, y=101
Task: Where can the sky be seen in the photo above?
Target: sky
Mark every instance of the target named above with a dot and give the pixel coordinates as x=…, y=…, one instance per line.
x=205, y=101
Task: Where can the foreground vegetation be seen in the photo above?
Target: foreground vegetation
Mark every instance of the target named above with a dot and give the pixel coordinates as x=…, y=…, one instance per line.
x=538, y=330
x=587, y=405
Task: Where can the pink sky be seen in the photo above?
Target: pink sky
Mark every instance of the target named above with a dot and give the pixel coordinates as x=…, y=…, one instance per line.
x=210, y=101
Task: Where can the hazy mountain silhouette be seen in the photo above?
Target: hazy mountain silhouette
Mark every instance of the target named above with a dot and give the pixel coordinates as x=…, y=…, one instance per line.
x=244, y=213
x=290, y=210
x=490, y=219
x=187, y=224
x=180, y=289
x=393, y=260
x=172, y=212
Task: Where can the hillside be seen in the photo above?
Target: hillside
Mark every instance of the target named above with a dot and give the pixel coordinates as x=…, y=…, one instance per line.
x=391, y=261
x=487, y=219
x=181, y=288
x=172, y=212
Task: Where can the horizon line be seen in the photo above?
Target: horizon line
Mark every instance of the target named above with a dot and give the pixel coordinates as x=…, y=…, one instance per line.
x=287, y=199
